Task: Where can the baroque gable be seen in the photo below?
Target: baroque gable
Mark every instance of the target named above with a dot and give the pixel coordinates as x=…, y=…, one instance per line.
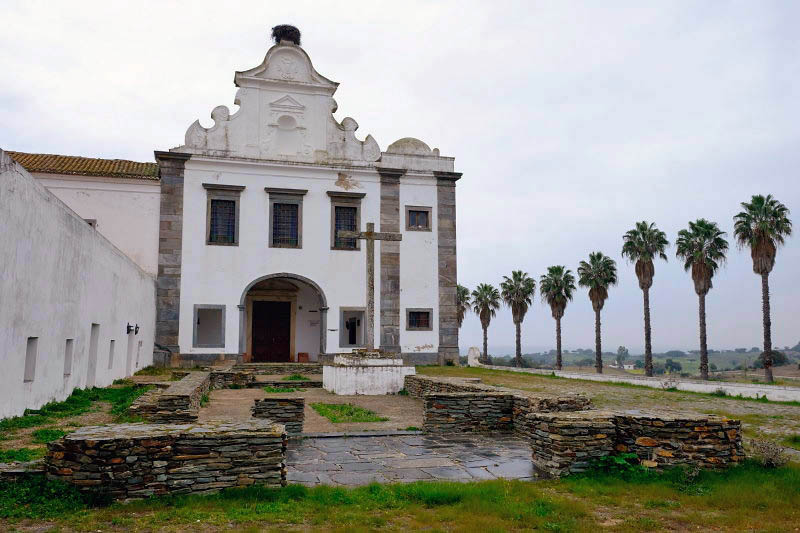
x=285, y=113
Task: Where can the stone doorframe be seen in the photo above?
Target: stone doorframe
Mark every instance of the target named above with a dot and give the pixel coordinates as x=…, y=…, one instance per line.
x=244, y=314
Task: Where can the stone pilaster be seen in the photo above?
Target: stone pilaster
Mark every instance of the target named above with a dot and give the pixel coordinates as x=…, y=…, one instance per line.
x=168, y=283
x=448, y=279
x=390, y=260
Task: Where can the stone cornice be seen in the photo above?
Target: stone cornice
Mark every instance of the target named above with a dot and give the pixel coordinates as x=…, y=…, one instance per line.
x=447, y=176
x=171, y=155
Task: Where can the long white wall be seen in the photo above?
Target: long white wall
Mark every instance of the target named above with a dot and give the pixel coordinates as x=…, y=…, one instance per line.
x=126, y=211
x=60, y=276
x=218, y=275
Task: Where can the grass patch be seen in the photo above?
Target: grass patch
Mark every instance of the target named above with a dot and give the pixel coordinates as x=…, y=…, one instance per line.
x=204, y=399
x=340, y=413
x=78, y=403
x=412, y=428
x=792, y=441
x=296, y=377
x=43, y=436
x=744, y=498
x=21, y=455
x=154, y=371
x=270, y=389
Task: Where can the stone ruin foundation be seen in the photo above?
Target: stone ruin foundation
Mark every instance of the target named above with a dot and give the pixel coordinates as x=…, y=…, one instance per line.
x=566, y=434
x=128, y=461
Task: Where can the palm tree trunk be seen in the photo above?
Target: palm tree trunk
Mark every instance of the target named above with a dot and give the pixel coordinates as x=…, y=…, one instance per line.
x=558, y=344
x=598, y=350
x=519, y=344
x=703, y=344
x=485, y=343
x=648, y=348
x=767, y=328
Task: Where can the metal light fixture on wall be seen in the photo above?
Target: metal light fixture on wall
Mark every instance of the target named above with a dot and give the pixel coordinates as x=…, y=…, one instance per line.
x=129, y=329
x=136, y=330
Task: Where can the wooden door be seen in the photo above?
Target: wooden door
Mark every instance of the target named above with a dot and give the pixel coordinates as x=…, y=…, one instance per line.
x=272, y=324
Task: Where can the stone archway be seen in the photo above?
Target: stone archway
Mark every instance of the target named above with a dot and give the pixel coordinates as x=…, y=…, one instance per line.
x=294, y=289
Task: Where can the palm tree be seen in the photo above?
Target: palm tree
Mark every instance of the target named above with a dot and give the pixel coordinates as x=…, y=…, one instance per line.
x=702, y=248
x=462, y=303
x=556, y=288
x=485, y=303
x=763, y=226
x=641, y=245
x=598, y=275
x=517, y=292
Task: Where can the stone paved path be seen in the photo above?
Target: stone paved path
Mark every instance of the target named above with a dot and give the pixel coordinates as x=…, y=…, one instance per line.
x=405, y=458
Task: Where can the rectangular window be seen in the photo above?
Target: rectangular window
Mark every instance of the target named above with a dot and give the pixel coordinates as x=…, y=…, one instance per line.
x=222, y=214
x=223, y=222
x=285, y=217
x=209, y=326
x=111, y=354
x=91, y=371
x=345, y=216
x=418, y=218
x=31, y=351
x=68, y=351
x=351, y=327
x=285, y=230
x=345, y=220
x=419, y=319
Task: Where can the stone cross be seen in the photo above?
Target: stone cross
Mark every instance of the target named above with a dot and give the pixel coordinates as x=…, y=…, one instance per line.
x=370, y=236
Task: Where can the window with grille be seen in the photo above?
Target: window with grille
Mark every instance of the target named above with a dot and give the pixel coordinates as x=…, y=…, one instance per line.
x=419, y=319
x=285, y=232
x=418, y=218
x=222, y=228
x=346, y=220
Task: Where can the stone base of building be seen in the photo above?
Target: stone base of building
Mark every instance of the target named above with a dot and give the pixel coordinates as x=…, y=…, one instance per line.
x=367, y=373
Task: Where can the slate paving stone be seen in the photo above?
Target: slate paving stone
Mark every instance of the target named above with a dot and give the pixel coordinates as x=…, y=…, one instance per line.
x=355, y=461
x=448, y=473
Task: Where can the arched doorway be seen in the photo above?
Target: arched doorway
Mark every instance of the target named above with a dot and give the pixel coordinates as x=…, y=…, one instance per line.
x=280, y=316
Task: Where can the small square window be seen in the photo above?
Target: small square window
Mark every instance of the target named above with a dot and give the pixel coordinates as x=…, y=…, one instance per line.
x=351, y=327
x=418, y=218
x=209, y=326
x=419, y=319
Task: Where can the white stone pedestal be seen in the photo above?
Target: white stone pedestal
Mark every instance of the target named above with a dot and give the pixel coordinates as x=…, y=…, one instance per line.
x=368, y=375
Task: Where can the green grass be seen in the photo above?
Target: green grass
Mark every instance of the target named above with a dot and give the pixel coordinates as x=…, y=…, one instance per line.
x=204, y=399
x=792, y=441
x=154, y=371
x=296, y=377
x=43, y=436
x=21, y=455
x=412, y=428
x=340, y=413
x=270, y=389
x=745, y=498
x=79, y=402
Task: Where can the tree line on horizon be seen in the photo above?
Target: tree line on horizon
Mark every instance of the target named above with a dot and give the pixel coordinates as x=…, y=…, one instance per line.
x=761, y=227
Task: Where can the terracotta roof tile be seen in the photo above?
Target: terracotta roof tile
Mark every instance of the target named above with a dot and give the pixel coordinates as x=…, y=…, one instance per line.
x=85, y=166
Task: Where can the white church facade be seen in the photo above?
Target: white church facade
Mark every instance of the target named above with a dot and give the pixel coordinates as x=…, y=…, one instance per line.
x=250, y=262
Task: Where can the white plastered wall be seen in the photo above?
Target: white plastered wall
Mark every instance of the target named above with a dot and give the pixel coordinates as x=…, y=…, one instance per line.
x=59, y=276
x=419, y=274
x=126, y=211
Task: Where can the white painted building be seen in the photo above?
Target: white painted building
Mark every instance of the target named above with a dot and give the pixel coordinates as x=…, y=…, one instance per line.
x=249, y=264
x=76, y=312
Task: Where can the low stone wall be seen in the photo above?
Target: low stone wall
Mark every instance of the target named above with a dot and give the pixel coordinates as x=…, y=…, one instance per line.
x=129, y=461
x=565, y=443
x=477, y=412
x=418, y=386
x=306, y=384
x=279, y=368
x=227, y=379
x=663, y=440
x=286, y=410
x=178, y=403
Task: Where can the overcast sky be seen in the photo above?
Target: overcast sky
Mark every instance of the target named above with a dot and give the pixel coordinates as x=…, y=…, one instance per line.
x=569, y=120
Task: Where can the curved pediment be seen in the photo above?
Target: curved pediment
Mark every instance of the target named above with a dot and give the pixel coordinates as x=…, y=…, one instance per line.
x=285, y=63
